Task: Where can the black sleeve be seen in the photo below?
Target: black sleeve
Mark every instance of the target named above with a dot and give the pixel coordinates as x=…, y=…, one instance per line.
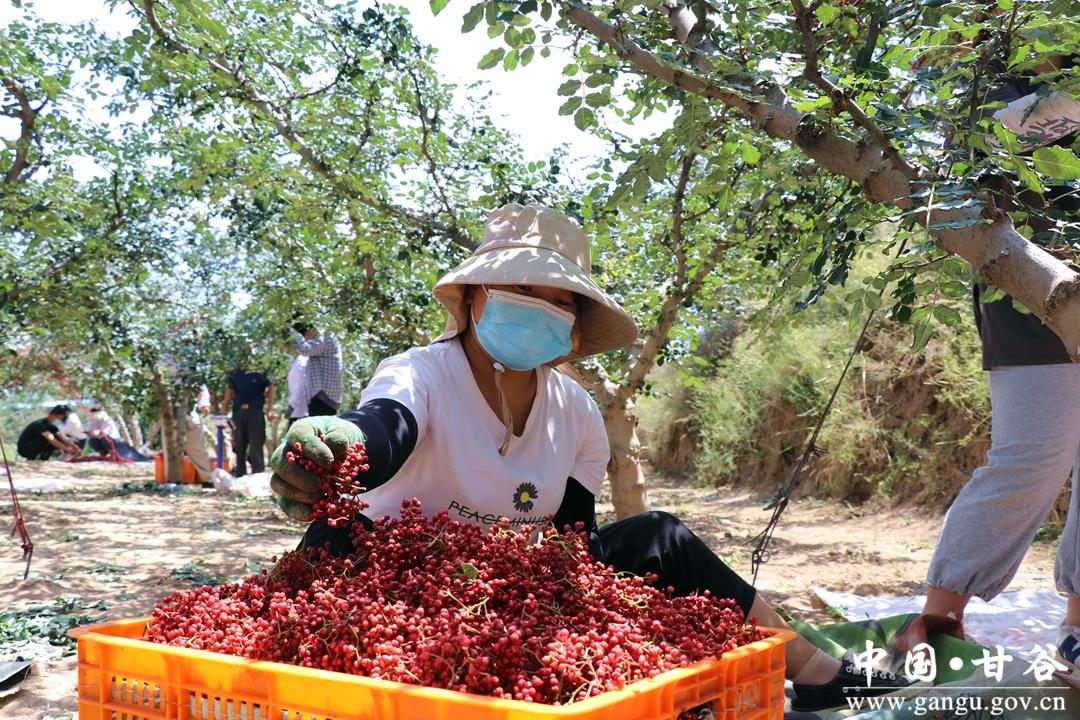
x=389, y=435
x=578, y=505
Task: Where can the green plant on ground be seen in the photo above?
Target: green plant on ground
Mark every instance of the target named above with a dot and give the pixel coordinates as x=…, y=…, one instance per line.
x=40, y=633
x=195, y=575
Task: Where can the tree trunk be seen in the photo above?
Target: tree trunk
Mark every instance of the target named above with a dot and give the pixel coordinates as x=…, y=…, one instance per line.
x=624, y=473
x=125, y=434
x=152, y=432
x=275, y=431
x=136, y=431
x=171, y=444
x=627, y=479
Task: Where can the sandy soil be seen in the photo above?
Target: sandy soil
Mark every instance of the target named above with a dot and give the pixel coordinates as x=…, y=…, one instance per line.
x=110, y=535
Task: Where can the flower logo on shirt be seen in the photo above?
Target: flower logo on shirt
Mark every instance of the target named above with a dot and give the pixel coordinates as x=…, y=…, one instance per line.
x=524, y=496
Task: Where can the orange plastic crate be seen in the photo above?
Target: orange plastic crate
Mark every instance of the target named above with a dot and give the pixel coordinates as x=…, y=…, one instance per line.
x=122, y=677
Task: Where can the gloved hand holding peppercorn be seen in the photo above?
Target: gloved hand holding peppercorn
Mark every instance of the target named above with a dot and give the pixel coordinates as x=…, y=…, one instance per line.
x=315, y=451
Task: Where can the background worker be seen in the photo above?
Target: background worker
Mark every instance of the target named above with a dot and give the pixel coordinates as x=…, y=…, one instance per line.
x=42, y=438
x=324, y=369
x=104, y=436
x=250, y=396
x=1034, y=397
x=298, y=392
x=73, y=430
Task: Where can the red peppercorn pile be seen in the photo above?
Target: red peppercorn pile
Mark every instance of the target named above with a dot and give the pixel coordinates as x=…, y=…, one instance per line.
x=339, y=503
x=453, y=605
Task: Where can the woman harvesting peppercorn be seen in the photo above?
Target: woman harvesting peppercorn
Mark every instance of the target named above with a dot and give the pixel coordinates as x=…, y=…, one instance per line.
x=479, y=425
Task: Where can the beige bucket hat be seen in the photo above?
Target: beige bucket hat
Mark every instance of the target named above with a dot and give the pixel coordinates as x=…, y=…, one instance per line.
x=535, y=245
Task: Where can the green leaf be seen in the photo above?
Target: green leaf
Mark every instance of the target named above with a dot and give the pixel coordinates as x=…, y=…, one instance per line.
x=750, y=154
x=491, y=59
x=1057, y=162
x=472, y=18
x=437, y=6
x=570, y=106
x=569, y=87
x=1028, y=176
x=526, y=56
x=597, y=99
x=510, y=62
x=469, y=571
x=584, y=118
x=946, y=315
x=923, y=333
x=827, y=13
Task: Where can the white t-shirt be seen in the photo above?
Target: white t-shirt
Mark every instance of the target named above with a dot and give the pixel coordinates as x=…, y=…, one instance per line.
x=103, y=423
x=73, y=427
x=297, y=380
x=456, y=465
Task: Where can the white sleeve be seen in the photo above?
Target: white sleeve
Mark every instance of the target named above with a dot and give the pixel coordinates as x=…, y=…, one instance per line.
x=407, y=380
x=1055, y=116
x=593, y=452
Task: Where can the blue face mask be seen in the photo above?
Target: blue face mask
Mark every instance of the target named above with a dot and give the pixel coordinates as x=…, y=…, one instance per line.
x=523, y=332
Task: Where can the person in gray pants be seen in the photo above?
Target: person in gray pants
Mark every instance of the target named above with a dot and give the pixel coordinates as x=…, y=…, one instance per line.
x=1035, y=413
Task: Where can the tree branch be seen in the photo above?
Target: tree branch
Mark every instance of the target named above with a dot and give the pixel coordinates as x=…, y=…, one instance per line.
x=980, y=234
x=669, y=310
x=812, y=72
x=418, y=336
x=295, y=140
x=27, y=115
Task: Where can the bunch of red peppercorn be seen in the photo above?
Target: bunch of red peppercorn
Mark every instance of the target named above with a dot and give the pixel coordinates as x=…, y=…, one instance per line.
x=339, y=503
x=436, y=602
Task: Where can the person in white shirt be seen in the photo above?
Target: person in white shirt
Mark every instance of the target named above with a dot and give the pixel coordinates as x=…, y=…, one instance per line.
x=196, y=436
x=481, y=425
x=104, y=437
x=101, y=424
x=72, y=427
x=298, y=389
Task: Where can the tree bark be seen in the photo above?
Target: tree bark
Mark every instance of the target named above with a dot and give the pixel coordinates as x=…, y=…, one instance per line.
x=125, y=434
x=27, y=115
x=624, y=473
x=152, y=432
x=171, y=442
x=136, y=431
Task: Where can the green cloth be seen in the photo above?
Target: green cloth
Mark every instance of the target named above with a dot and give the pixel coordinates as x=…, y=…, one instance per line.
x=958, y=694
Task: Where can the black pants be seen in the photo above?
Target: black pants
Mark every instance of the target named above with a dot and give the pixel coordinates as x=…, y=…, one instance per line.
x=35, y=451
x=125, y=451
x=249, y=436
x=659, y=543
x=652, y=542
x=317, y=407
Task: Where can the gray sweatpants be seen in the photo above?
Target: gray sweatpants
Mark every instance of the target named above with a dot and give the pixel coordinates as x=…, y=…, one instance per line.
x=1035, y=441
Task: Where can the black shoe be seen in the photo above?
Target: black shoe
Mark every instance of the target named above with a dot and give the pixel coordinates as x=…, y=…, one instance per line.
x=848, y=683
x=1069, y=647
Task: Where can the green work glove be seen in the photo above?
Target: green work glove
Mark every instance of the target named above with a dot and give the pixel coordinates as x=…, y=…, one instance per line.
x=296, y=488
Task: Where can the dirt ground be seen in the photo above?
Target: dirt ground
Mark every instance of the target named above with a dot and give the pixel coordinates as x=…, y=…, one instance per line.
x=109, y=534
